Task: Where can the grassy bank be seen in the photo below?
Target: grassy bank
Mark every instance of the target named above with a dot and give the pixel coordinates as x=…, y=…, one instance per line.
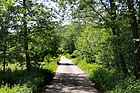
x=22, y=81
x=108, y=80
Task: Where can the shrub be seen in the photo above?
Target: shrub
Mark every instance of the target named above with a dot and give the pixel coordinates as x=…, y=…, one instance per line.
x=128, y=85
x=104, y=78
x=22, y=81
x=109, y=80
x=68, y=55
x=15, y=89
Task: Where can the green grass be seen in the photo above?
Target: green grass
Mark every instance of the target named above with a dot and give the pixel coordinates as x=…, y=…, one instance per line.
x=109, y=81
x=21, y=81
x=15, y=89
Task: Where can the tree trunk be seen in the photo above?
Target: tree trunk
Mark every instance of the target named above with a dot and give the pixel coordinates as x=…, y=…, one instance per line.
x=113, y=16
x=27, y=58
x=4, y=59
x=4, y=52
x=136, y=40
x=139, y=14
x=120, y=57
x=123, y=64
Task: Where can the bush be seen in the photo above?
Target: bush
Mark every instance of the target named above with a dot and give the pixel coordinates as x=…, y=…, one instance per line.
x=68, y=55
x=104, y=78
x=15, y=89
x=128, y=85
x=22, y=81
x=109, y=80
x=52, y=65
x=17, y=79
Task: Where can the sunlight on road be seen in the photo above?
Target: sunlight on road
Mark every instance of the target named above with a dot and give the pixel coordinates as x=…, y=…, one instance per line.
x=65, y=60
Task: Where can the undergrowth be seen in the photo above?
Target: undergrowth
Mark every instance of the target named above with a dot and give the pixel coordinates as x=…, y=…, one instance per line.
x=22, y=81
x=109, y=80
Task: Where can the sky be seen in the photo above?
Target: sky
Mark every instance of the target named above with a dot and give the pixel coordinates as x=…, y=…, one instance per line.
x=59, y=13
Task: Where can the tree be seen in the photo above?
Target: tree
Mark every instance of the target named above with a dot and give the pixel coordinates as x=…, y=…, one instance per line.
x=21, y=22
x=6, y=24
x=105, y=14
x=27, y=58
x=68, y=34
x=37, y=31
x=135, y=34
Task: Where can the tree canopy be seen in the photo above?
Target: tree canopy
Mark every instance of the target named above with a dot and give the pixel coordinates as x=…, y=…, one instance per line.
x=102, y=32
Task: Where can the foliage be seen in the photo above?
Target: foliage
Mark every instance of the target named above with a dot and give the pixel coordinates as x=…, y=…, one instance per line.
x=15, y=89
x=118, y=17
x=26, y=30
x=107, y=80
x=52, y=65
x=128, y=85
x=92, y=44
x=68, y=34
x=97, y=45
x=22, y=81
x=26, y=34
x=98, y=49
x=99, y=34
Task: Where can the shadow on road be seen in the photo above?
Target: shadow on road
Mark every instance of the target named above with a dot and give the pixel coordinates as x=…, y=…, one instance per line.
x=70, y=79
x=71, y=83
x=68, y=64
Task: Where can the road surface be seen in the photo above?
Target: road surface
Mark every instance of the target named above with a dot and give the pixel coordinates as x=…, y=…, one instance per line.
x=70, y=79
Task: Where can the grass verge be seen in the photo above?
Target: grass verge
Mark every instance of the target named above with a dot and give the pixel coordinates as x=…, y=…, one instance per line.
x=109, y=81
x=22, y=81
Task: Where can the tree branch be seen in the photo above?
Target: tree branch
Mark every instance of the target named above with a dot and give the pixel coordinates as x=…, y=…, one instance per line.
x=105, y=7
x=96, y=11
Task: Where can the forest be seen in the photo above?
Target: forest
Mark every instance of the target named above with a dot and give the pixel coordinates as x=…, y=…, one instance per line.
x=102, y=37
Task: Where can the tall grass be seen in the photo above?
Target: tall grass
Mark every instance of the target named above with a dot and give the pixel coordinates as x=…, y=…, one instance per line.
x=109, y=80
x=21, y=81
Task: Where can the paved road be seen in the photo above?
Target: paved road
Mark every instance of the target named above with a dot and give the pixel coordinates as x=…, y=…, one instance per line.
x=70, y=79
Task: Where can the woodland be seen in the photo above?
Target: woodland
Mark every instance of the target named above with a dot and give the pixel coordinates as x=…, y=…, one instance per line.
x=102, y=37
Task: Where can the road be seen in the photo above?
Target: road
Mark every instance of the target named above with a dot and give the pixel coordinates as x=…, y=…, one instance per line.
x=70, y=79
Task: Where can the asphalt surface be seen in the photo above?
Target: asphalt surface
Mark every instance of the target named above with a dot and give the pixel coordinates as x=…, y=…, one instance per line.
x=70, y=79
